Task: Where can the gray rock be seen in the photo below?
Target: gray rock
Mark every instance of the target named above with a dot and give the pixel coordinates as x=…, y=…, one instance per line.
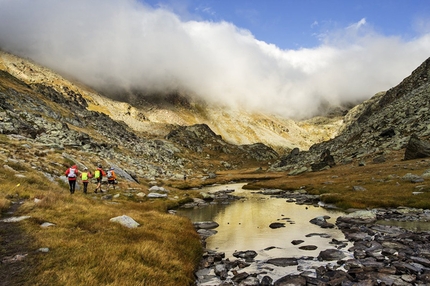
x=274, y=225
x=125, y=221
x=205, y=233
x=321, y=221
x=291, y=280
x=156, y=195
x=359, y=188
x=248, y=254
x=412, y=178
x=331, y=254
x=283, y=261
x=266, y=281
x=206, y=225
x=417, y=148
x=308, y=247
x=46, y=224
x=297, y=242
x=326, y=161
x=157, y=189
x=298, y=171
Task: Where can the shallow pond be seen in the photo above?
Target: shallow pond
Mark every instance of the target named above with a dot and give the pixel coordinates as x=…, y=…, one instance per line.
x=244, y=225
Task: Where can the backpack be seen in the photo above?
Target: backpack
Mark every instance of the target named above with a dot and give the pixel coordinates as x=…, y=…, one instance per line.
x=72, y=173
x=109, y=174
x=84, y=176
x=97, y=174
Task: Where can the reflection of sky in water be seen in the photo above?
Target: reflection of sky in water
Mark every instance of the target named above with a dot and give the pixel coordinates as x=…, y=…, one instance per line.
x=244, y=225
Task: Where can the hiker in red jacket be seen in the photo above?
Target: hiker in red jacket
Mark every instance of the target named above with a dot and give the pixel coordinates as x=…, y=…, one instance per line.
x=98, y=175
x=72, y=173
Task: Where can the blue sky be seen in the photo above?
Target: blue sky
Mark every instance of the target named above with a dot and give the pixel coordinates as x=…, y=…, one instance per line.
x=289, y=58
x=292, y=24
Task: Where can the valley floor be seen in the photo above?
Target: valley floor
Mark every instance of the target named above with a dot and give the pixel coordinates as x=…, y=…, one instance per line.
x=361, y=184
x=393, y=183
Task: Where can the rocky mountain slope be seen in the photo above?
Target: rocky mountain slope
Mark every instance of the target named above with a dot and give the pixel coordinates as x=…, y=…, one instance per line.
x=45, y=118
x=167, y=136
x=374, y=129
x=155, y=115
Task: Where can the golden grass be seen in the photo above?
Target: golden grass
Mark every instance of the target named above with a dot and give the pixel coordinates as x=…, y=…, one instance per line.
x=85, y=248
x=94, y=251
x=383, y=184
x=4, y=204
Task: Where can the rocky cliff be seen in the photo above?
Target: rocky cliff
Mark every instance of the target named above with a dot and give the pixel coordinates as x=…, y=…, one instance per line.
x=375, y=128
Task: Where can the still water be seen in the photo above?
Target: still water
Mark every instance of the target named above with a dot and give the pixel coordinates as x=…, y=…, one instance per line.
x=244, y=225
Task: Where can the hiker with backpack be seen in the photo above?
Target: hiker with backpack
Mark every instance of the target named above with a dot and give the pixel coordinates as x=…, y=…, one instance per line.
x=111, y=177
x=99, y=173
x=85, y=176
x=72, y=173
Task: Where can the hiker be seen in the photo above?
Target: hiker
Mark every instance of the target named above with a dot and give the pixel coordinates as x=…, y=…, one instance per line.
x=85, y=175
x=72, y=173
x=111, y=177
x=98, y=174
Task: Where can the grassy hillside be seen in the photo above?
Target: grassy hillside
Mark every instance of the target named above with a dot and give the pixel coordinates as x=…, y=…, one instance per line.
x=85, y=248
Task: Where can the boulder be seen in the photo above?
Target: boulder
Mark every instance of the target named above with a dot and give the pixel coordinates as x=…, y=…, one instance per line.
x=291, y=280
x=125, y=221
x=321, y=221
x=206, y=225
x=417, y=148
x=326, y=161
x=247, y=255
x=331, y=254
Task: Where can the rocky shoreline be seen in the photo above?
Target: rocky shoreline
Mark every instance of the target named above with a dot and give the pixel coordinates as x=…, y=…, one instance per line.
x=380, y=254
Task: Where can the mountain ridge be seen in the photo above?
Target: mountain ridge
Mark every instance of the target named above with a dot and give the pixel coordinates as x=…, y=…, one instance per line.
x=174, y=134
x=68, y=124
x=156, y=119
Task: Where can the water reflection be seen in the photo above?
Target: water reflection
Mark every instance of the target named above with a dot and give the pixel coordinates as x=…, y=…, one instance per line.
x=244, y=225
x=409, y=225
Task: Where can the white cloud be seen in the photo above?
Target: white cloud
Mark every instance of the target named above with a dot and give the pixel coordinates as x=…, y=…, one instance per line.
x=109, y=43
x=358, y=25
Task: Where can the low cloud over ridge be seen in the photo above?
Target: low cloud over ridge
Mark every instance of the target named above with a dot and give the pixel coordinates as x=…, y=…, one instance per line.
x=133, y=46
